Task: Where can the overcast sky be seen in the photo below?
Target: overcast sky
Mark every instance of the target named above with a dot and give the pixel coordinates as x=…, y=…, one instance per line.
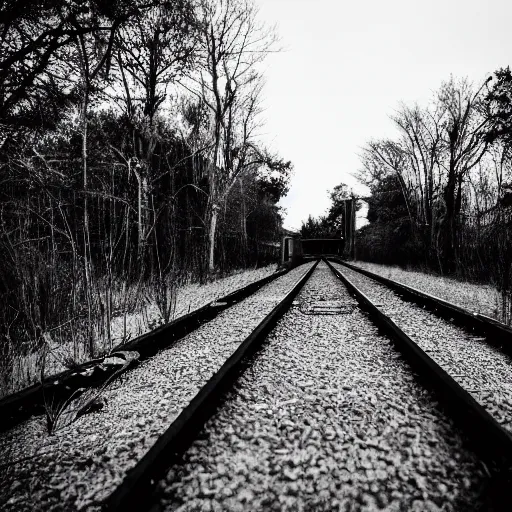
x=346, y=66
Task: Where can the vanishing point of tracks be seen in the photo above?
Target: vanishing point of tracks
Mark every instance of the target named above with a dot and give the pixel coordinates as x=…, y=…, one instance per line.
x=317, y=410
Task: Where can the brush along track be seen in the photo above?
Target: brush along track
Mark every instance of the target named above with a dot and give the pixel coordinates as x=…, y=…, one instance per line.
x=481, y=369
x=21, y=405
x=326, y=417
x=82, y=464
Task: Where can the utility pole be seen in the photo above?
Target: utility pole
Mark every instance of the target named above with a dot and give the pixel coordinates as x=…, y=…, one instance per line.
x=349, y=226
x=353, y=228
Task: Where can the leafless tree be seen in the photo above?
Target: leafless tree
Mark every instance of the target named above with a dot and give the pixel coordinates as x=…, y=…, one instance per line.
x=391, y=156
x=233, y=43
x=152, y=51
x=463, y=145
x=421, y=143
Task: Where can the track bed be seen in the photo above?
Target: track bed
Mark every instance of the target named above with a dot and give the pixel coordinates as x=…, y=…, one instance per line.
x=327, y=416
x=480, y=368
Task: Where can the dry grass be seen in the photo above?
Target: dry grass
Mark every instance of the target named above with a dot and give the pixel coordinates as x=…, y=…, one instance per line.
x=484, y=299
x=138, y=317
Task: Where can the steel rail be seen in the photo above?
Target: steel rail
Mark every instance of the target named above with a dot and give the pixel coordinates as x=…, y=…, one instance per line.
x=497, y=334
x=489, y=436
x=135, y=491
x=19, y=406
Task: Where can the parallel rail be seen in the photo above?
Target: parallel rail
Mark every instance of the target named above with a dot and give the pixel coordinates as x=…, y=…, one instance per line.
x=135, y=491
x=497, y=334
x=489, y=437
x=20, y=406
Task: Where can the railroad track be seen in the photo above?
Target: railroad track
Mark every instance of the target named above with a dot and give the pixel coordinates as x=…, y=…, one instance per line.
x=469, y=352
x=101, y=447
x=209, y=452
x=323, y=416
x=496, y=333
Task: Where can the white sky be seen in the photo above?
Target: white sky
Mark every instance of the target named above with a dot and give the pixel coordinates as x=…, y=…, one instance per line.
x=346, y=66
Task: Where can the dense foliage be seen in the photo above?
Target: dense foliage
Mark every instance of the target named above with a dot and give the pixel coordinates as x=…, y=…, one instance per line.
x=130, y=162
x=332, y=224
x=441, y=191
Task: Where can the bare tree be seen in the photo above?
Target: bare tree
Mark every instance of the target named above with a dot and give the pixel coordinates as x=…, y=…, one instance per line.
x=421, y=142
x=36, y=37
x=384, y=156
x=233, y=43
x=463, y=146
x=152, y=51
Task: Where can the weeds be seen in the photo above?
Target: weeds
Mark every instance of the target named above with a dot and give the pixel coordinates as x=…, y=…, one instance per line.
x=61, y=413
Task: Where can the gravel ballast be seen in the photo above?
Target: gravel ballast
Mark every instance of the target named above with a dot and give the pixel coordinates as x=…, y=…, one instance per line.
x=78, y=466
x=327, y=417
x=189, y=297
x=480, y=368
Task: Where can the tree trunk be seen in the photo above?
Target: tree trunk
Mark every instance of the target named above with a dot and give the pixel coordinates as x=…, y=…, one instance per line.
x=211, y=236
x=353, y=229
x=446, y=237
x=142, y=209
x=87, y=239
x=243, y=227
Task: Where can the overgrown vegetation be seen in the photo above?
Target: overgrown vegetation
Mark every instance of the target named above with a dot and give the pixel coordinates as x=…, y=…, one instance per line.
x=130, y=163
x=441, y=192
